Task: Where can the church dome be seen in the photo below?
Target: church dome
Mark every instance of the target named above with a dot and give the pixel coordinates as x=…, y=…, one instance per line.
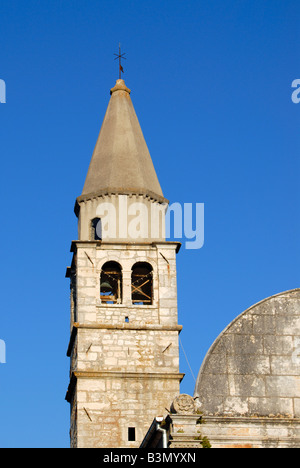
x=253, y=367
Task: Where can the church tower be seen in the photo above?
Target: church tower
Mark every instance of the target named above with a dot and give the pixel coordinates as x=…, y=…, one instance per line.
x=123, y=349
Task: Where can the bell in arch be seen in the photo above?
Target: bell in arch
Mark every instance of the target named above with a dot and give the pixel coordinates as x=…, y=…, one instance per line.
x=106, y=287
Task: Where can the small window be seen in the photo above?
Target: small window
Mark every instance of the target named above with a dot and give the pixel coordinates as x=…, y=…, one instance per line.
x=126, y=319
x=131, y=434
x=141, y=284
x=96, y=229
x=111, y=283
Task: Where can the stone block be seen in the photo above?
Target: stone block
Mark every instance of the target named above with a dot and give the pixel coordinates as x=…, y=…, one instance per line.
x=247, y=385
x=278, y=345
x=249, y=364
x=297, y=407
x=248, y=344
x=243, y=325
x=288, y=325
x=284, y=365
x=283, y=386
x=236, y=405
x=270, y=406
x=264, y=324
x=216, y=365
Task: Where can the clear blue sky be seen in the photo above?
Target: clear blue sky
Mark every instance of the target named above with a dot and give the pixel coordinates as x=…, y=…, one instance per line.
x=211, y=85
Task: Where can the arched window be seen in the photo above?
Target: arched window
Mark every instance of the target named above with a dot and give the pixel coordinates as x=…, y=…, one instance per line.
x=111, y=283
x=96, y=229
x=142, y=284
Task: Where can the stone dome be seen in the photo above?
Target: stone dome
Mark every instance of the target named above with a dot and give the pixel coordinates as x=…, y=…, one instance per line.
x=253, y=367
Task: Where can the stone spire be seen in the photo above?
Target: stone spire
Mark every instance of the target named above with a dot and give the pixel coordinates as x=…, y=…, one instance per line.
x=121, y=162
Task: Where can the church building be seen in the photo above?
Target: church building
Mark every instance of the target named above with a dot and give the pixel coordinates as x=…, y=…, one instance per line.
x=124, y=389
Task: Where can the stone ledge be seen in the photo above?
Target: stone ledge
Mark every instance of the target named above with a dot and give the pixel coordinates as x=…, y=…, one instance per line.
x=128, y=375
x=129, y=326
x=136, y=245
x=248, y=420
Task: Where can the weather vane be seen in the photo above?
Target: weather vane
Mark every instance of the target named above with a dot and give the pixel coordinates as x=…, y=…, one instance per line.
x=120, y=56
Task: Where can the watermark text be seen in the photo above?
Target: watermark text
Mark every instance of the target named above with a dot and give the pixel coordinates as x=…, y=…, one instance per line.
x=2, y=92
x=2, y=352
x=133, y=220
x=296, y=94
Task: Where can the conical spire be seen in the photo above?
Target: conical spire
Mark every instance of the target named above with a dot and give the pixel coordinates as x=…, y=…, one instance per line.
x=121, y=162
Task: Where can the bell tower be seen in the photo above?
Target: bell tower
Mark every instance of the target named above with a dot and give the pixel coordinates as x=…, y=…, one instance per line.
x=123, y=349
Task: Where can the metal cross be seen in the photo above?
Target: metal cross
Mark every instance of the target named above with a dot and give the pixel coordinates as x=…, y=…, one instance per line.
x=120, y=56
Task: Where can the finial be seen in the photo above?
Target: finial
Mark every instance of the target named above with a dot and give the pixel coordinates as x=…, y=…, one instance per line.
x=120, y=56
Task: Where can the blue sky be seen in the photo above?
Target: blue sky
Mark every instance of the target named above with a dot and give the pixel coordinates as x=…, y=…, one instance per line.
x=211, y=85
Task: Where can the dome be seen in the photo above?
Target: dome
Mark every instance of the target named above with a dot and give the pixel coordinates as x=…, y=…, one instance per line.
x=253, y=367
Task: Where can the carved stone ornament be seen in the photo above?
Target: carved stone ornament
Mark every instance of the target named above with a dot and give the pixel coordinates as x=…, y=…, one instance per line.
x=183, y=404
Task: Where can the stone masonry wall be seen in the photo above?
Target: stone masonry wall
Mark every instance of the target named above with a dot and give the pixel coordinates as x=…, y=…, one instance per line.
x=127, y=349
x=253, y=368
x=107, y=407
x=124, y=371
x=89, y=263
